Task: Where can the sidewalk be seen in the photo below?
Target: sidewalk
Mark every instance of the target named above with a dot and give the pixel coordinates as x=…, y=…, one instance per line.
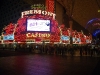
x=43, y=64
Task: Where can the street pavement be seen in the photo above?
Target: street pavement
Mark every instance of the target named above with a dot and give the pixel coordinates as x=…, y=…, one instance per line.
x=18, y=63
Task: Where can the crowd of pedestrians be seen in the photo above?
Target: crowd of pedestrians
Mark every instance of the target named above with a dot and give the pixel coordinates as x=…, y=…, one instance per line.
x=82, y=50
x=61, y=49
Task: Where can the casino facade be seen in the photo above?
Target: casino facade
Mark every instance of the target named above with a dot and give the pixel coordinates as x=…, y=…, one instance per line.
x=38, y=26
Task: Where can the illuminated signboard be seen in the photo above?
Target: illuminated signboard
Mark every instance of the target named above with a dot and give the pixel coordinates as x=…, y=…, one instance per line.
x=38, y=6
x=8, y=37
x=78, y=40
x=37, y=12
x=38, y=25
x=34, y=35
x=66, y=38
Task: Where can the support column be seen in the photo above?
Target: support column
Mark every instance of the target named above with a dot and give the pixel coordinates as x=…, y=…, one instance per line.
x=71, y=38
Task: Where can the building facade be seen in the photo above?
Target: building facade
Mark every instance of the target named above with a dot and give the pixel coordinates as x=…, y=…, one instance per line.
x=10, y=12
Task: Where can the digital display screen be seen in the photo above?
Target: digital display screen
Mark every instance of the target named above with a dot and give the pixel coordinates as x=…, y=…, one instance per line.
x=8, y=37
x=38, y=25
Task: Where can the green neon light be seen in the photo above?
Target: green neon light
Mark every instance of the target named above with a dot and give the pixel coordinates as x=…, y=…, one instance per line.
x=98, y=10
x=38, y=6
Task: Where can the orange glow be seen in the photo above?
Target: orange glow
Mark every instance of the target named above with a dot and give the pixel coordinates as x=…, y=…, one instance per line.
x=35, y=35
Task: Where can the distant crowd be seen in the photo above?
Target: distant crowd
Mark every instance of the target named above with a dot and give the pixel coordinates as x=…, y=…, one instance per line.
x=59, y=49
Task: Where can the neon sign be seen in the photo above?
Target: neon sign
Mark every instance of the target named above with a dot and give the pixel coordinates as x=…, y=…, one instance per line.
x=34, y=35
x=65, y=37
x=8, y=37
x=38, y=6
x=37, y=12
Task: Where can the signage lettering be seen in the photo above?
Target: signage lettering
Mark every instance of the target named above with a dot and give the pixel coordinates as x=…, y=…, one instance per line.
x=38, y=6
x=35, y=35
x=37, y=12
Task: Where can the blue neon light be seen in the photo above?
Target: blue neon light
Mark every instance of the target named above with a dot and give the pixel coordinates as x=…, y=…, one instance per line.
x=95, y=33
x=91, y=21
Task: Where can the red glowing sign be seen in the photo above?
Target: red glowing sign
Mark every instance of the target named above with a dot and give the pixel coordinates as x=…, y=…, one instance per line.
x=41, y=22
x=50, y=5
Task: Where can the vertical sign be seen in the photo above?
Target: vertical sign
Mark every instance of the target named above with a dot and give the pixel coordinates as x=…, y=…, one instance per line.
x=50, y=5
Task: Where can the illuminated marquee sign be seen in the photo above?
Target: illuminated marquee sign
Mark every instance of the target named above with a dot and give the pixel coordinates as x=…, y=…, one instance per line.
x=34, y=35
x=50, y=5
x=38, y=6
x=8, y=37
x=38, y=25
x=37, y=12
x=65, y=37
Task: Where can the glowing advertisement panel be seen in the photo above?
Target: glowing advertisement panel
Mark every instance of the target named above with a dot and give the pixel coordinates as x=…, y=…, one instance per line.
x=38, y=25
x=78, y=40
x=8, y=37
x=65, y=38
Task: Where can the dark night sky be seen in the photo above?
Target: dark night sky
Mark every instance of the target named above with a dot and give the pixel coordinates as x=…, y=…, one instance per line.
x=5, y=9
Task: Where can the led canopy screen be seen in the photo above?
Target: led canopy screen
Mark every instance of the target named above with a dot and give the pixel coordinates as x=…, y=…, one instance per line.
x=38, y=25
